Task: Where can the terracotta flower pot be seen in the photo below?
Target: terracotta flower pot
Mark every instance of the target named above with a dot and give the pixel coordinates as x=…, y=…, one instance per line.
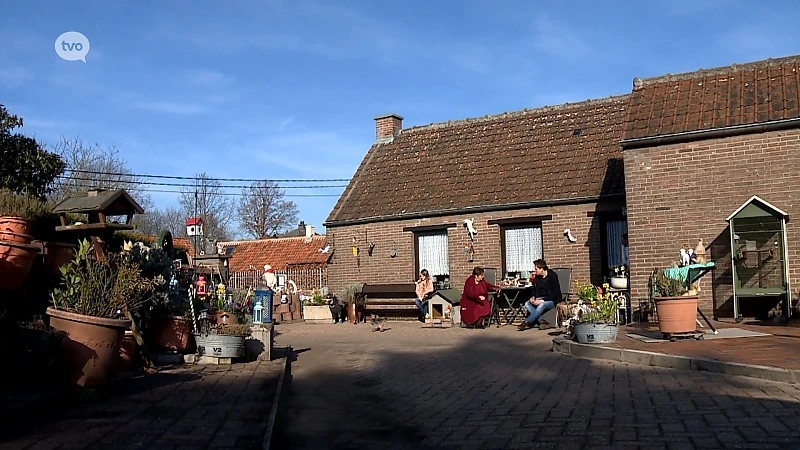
x=677, y=314
x=16, y=261
x=173, y=334
x=90, y=350
x=17, y=225
x=354, y=312
x=57, y=255
x=10, y=236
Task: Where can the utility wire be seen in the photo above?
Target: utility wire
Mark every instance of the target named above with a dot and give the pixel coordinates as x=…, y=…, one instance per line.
x=174, y=177
x=227, y=194
x=153, y=183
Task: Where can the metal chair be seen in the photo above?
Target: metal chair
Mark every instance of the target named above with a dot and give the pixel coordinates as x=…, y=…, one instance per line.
x=564, y=279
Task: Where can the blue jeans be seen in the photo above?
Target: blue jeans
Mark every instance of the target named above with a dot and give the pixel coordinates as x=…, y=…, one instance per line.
x=537, y=311
x=423, y=306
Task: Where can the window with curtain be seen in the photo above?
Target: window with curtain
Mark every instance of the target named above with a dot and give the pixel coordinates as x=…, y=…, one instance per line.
x=614, y=231
x=432, y=253
x=523, y=246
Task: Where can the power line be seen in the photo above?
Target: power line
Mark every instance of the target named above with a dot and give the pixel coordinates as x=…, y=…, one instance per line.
x=154, y=183
x=175, y=177
x=227, y=194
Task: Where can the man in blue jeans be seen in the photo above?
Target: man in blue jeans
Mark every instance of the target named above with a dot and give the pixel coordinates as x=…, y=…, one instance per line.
x=546, y=291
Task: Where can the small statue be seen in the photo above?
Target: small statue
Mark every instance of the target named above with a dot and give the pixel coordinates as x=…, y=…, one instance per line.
x=700, y=252
x=269, y=277
x=684, y=257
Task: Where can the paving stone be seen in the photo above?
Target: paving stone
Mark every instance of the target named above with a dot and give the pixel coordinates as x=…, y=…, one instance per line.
x=499, y=388
x=159, y=411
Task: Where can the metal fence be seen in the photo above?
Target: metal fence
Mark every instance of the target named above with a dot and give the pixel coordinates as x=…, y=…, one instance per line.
x=306, y=276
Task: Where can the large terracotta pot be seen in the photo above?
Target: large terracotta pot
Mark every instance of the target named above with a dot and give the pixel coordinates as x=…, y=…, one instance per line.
x=677, y=314
x=58, y=254
x=354, y=312
x=10, y=236
x=90, y=350
x=18, y=225
x=16, y=261
x=173, y=334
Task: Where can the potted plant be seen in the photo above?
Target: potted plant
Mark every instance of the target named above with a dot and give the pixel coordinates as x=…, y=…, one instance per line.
x=222, y=340
x=351, y=296
x=675, y=309
x=598, y=321
x=619, y=277
x=90, y=307
x=227, y=308
x=316, y=309
x=18, y=213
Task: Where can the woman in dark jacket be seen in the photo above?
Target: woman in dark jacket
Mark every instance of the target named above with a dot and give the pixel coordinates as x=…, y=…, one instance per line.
x=475, y=303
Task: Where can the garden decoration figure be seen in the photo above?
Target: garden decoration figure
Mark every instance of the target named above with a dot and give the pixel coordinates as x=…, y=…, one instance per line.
x=269, y=277
x=202, y=286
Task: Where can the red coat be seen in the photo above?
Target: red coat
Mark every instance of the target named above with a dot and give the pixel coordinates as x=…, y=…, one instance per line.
x=473, y=309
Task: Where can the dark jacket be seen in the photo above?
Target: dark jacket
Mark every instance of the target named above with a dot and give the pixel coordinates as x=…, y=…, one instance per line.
x=548, y=288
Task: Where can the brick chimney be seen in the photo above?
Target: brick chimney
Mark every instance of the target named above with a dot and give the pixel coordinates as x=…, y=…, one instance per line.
x=387, y=127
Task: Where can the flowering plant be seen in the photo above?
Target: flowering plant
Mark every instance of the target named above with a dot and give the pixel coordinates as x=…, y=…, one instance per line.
x=620, y=271
x=603, y=309
x=586, y=291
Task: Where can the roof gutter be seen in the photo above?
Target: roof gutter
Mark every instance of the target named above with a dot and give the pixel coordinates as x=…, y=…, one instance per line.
x=474, y=209
x=714, y=133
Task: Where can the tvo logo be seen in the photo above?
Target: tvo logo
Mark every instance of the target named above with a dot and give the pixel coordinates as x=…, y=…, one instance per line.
x=72, y=46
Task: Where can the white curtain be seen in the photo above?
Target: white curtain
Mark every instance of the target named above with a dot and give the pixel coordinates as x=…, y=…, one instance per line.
x=614, y=231
x=433, y=253
x=523, y=247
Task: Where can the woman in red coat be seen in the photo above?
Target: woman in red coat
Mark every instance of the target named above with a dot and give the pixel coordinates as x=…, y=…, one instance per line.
x=475, y=303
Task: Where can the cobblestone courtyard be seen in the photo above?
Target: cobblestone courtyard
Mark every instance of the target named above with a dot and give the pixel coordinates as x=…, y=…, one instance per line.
x=498, y=388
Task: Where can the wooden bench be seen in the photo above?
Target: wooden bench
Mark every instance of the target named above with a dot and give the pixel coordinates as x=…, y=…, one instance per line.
x=389, y=297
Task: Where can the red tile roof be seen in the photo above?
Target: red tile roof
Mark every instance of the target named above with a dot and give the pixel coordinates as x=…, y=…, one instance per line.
x=752, y=93
x=538, y=155
x=193, y=220
x=277, y=252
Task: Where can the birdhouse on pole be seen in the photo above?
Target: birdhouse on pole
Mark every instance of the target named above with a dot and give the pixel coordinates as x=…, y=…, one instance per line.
x=194, y=226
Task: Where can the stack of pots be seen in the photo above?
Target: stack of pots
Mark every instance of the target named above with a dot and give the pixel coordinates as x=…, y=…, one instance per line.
x=16, y=252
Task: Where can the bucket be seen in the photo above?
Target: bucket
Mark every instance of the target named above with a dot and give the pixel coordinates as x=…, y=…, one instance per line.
x=596, y=333
x=221, y=346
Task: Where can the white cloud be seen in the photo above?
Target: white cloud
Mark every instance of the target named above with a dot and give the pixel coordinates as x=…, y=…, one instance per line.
x=171, y=107
x=13, y=77
x=209, y=78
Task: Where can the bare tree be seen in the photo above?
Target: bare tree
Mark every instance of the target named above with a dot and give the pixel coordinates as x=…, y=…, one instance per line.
x=212, y=205
x=263, y=211
x=92, y=166
x=170, y=218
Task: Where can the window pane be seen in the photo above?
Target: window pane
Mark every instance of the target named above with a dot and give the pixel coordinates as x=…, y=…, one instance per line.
x=433, y=253
x=523, y=247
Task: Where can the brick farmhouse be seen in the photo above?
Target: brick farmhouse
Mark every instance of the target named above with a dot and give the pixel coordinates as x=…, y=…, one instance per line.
x=523, y=178
x=696, y=147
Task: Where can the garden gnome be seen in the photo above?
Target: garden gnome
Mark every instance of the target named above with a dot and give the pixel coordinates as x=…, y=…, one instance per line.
x=700, y=252
x=202, y=288
x=269, y=277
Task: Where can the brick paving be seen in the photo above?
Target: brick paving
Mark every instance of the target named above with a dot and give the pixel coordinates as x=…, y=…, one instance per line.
x=187, y=406
x=781, y=350
x=498, y=388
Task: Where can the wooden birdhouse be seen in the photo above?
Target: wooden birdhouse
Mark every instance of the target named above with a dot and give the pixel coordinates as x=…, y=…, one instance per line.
x=194, y=226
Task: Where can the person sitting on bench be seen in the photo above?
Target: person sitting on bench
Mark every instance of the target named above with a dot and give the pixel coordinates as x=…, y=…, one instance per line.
x=547, y=294
x=424, y=291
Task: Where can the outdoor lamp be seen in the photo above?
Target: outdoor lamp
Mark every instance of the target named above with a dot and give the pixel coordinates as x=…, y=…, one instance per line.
x=258, y=310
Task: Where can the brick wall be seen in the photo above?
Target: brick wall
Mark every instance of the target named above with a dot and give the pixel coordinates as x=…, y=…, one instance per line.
x=678, y=194
x=583, y=256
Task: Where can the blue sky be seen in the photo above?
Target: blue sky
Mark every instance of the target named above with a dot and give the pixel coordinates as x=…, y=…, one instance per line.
x=289, y=89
